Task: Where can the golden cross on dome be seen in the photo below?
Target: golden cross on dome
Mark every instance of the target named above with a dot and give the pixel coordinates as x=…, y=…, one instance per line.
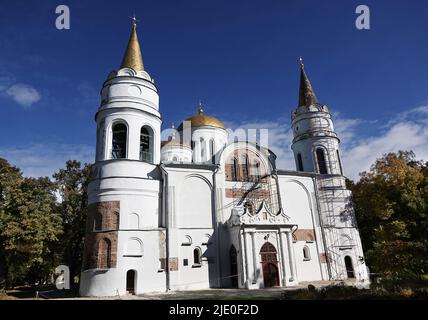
x=200, y=109
x=134, y=20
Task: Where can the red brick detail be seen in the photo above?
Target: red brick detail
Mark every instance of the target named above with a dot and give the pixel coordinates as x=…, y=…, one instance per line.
x=100, y=250
x=103, y=215
x=304, y=235
x=239, y=193
x=100, y=247
x=240, y=155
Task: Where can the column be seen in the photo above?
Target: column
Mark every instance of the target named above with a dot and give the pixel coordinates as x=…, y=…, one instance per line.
x=291, y=256
x=253, y=243
x=246, y=258
x=282, y=242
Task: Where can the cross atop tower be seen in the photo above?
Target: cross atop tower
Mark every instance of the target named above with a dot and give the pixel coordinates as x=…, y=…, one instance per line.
x=134, y=20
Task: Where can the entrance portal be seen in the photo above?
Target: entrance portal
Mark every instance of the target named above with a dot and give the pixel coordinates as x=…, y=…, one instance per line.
x=349, y=267
x=130, y=281
x=269, y=265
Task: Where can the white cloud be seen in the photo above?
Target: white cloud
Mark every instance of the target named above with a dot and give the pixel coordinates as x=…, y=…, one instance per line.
x=44, y=159
x=406, y=131
x=23, y=94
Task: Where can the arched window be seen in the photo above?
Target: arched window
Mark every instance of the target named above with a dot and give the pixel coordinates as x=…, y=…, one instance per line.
x=349, y=267
x=104, y=254
x=306, y=253
x=98, y=221
x=120, y=133
x=212, y=150
x=299, y=162
x=235, y=170
x=174, y=159
x=197, y=256
x=322, y=164
x=146, y=144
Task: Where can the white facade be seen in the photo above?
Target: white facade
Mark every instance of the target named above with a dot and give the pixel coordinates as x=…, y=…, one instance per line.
x=207, y=213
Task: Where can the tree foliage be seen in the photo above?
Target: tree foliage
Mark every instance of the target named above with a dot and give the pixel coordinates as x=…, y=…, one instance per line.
x=391, y=206
x=41, y=223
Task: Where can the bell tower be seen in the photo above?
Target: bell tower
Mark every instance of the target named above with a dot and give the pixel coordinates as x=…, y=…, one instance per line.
x=315, y=144
x=128, y=120
x=316, y=149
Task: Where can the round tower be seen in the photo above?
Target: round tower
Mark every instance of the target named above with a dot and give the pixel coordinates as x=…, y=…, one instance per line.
x=315, y=143
x=123, y=195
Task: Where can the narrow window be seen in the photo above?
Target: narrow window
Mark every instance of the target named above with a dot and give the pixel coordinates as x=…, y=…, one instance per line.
x=146, y=144
x=257, y=171
x=306, y=254
x=235, y=170
x=340, y=162
x=202, y=142
x=119, y=141
x=197, y=256
x=299, y=162
x=185, y=262
x=245, y=176
x=212, y=150
x=322, y=165
x=98, y=221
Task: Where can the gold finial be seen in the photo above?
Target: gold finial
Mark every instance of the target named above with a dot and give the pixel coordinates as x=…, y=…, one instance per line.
x=301, y=62
x=133, y=58
x=173, y=132
x=200, y=109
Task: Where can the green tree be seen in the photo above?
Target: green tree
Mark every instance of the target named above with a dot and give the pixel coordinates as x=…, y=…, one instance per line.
x=72, y=184
x=391, y=206
x=29, y=224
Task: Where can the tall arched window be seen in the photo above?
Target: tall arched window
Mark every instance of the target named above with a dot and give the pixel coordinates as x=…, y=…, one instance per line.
x=202, y=142
x=299, y=162
x=120, y=133
x=306, y=253
x=212, y=150
x=339, y=162
x=235, y=170
x=146, y=144
x=98, y=221
x=256, y=176
x=197, y=256
x=322, y=164
x=104, y=254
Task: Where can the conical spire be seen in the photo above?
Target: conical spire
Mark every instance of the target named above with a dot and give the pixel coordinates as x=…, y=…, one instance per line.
x=307, y=95
x=133, y=58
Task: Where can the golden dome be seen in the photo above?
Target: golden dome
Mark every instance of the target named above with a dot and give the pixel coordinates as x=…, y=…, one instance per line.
x=200, y=119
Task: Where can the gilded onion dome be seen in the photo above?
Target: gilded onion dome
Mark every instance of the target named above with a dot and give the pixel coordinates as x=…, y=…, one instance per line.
x=200, y=120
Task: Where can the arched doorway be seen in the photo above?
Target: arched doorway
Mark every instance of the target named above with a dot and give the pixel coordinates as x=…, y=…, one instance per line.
x=233, y=266
x=130, y=281
x=269, y=265
x=349, y=267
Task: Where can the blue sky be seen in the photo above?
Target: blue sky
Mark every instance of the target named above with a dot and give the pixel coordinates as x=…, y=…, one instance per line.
x=239, y=57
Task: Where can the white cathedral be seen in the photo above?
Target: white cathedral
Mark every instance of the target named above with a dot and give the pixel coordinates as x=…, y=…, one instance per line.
x=197, y=211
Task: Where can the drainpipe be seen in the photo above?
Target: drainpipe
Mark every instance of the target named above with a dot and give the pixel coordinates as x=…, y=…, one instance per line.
x=166, y=217
x=219, y=273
